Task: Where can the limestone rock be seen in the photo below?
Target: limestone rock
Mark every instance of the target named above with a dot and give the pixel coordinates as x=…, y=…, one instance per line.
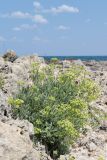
x=14, y=74
x=10, y=55
x=15, y=143
x=91, y=147
x=24, y=125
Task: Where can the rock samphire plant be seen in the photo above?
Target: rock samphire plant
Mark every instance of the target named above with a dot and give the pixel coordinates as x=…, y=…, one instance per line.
x=57, y=103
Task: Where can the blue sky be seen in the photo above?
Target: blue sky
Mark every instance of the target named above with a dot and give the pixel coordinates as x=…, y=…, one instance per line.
x=54, y=27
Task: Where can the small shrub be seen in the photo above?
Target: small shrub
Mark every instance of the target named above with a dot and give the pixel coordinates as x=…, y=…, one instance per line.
x=57, y=105
x=54, y=60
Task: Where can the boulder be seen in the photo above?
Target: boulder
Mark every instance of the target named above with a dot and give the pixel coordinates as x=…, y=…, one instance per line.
x=66, y=63
x=78, y=63
x=10, y=55
x=15, y=143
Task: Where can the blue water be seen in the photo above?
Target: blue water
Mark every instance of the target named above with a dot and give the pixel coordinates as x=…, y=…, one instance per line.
x=83, y=58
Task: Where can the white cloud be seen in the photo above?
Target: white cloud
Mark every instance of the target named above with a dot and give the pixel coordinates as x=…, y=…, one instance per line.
x=39, y=19
x=63, y=9
x=25, y=27
x=63, y=28
x=19, y=14
x=55, y=10
x=25, y=15
x=2, y=39
x=16, y=14
x=37, y=5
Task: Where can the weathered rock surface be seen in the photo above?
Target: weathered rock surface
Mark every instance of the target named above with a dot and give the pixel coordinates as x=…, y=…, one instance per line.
x=15, y=143
x=10, y=55
x=89, y=147
x=14, y=74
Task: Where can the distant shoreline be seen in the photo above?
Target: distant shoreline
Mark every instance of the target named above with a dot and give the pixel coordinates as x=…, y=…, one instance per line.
x=83, y=58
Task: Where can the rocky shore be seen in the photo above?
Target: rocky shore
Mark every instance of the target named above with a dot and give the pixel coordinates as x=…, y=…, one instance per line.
x=16, y=141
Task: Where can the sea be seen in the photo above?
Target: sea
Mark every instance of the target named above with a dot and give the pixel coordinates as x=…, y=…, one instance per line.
x=83, y=58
